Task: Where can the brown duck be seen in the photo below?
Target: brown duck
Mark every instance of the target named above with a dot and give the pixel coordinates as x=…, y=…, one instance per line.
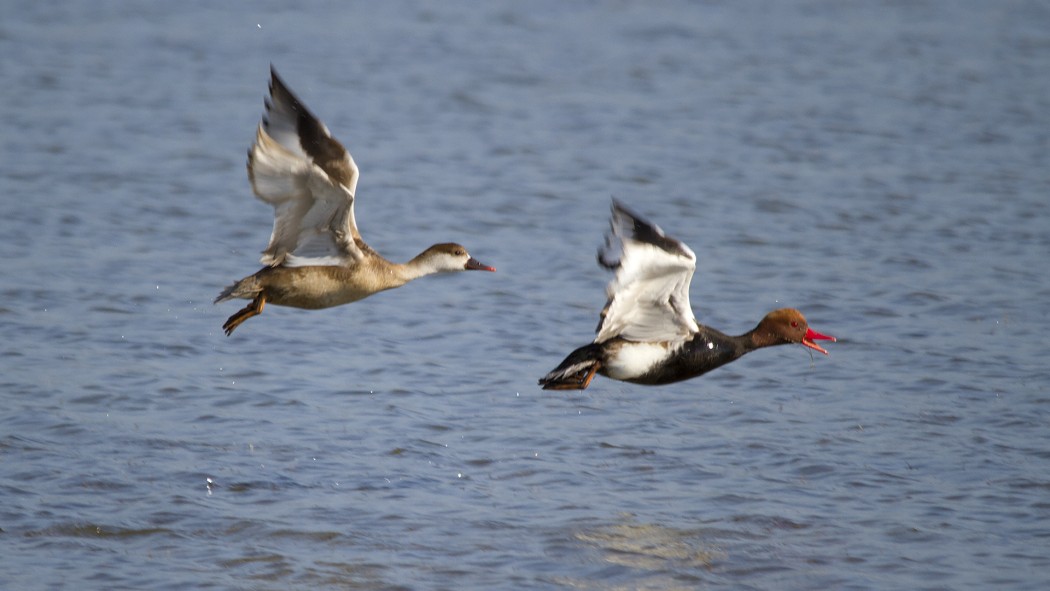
x=316, y=257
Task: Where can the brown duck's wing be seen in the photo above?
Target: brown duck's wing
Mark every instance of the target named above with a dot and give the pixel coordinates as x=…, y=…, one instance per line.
x=310, y=179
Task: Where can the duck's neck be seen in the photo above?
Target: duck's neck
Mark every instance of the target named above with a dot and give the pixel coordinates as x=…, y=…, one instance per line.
x=722, y=345
x=420, y=266
x=759, y=337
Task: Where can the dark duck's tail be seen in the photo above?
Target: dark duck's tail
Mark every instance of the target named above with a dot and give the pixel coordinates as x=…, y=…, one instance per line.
x=577, y=371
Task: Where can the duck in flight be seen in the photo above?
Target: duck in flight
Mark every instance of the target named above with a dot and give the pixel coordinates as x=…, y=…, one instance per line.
x=647, y=333
x=316, y=257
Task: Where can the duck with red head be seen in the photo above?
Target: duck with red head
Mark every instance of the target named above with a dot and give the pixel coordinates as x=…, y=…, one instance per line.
x=647, y=333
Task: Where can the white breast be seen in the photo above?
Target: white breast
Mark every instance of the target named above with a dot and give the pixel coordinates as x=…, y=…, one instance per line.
x=633, y=360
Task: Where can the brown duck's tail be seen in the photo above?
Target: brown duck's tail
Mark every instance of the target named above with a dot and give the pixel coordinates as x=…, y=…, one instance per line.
x=249, y=289
x=577, y=371
x=246, y=289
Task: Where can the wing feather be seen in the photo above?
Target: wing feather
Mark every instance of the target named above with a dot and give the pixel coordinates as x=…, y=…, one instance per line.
x=649, y=295
x=310, y=179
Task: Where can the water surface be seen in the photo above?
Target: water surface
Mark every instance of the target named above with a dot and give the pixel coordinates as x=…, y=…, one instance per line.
x=881, y=166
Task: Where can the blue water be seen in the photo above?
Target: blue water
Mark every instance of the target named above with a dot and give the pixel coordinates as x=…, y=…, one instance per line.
x=882, y=166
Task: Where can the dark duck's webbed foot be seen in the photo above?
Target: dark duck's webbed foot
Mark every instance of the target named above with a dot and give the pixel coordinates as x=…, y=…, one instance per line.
x=577, y=371
x=576, y=381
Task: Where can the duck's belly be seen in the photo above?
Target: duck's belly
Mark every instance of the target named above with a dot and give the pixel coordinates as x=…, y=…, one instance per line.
x=316, y=287
x=317, y=300
x=655, y=364
x=634, y=360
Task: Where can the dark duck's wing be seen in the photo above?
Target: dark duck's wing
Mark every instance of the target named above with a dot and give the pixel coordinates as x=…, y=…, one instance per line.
x=649, y=296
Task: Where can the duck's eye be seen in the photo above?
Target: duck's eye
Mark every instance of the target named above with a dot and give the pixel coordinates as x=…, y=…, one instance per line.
x=794, y=324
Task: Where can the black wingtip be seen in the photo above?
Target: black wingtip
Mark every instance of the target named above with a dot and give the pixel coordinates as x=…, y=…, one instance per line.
x=640, y=229
x=620, y=208
x=277, y=84
x=281, y=94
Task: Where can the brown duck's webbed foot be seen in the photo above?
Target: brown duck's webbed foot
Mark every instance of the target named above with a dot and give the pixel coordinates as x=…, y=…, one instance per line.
x=253, y=309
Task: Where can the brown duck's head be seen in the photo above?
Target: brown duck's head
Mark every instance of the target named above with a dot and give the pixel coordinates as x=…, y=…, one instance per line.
x=788, y=325
x=450, y=257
